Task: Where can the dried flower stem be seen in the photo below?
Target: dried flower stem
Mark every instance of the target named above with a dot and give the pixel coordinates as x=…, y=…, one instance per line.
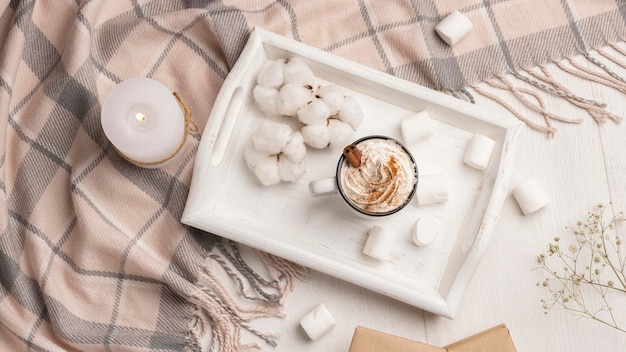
x=593, y=264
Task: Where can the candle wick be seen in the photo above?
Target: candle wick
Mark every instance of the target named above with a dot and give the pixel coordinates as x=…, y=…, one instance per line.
x=140, y=117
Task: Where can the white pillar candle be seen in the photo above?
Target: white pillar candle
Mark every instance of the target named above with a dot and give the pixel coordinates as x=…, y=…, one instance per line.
x=478, y=152
x=317, y=322
x=144, y=121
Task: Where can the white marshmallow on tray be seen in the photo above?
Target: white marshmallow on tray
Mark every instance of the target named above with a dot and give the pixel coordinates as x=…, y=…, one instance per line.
x=425, y=231
x=530, y=196
x=454, y=27
x=379, y=243
x=416, y=128
x=478, y=152
x=432, y=189
x=317, y=322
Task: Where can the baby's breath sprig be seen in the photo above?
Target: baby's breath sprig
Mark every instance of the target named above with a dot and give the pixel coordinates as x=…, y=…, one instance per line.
x=592, y=262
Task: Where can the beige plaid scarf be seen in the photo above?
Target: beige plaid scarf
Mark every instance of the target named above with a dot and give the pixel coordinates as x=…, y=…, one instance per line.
x=92, y=254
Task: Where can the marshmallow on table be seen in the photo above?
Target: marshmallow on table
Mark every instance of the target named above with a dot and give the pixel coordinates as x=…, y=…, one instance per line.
x=317, y=322
x=416, y=128
x=379, y=243
x=454, y=27
x=530, y=196
x=425, y=231
x=478, y=152
x=432, y=189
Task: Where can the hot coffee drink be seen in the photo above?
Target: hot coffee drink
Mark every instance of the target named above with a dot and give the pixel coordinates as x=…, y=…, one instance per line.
x=385, y=179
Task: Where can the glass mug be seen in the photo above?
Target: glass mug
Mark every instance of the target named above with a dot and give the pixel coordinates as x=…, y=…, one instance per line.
x=383, y=183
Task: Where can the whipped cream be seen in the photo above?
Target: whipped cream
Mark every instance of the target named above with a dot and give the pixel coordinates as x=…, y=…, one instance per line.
x=384, y=181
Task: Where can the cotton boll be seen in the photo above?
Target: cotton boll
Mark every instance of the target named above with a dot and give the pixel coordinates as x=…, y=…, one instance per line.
x=271, y=75
x=351, y=112
x=297, y=72
x=271, y=137
x=316, y=136
x=266, y=98
x=340, y=133
x=315, y=112
x=267, y=171
x=290, y=171
x=333, y=96
x=253, y=156
x=292, y=97
x=295, y=150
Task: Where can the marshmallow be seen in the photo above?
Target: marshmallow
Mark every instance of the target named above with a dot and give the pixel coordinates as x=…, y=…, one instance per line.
x=432, y=189
x=478, y=152
x=317, y=322
x=416, y=128
x=530, y=196
x=425, y=230
x=379, y=243
x=454, y=27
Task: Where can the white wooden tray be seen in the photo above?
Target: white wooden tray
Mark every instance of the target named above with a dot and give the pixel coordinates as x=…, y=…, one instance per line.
x=322, y=233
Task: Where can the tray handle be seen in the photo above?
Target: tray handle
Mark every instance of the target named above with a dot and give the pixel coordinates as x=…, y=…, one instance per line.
x=230, y=119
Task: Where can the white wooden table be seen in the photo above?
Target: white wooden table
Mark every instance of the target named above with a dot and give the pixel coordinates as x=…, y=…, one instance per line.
x=581, y=166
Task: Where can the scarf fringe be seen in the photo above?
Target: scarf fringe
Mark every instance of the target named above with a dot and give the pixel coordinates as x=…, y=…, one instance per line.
x=283, y=269
x=526, y=85
x=216, y=308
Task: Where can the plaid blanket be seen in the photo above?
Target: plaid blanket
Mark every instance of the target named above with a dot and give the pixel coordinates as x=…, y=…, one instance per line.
x=92, y=254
